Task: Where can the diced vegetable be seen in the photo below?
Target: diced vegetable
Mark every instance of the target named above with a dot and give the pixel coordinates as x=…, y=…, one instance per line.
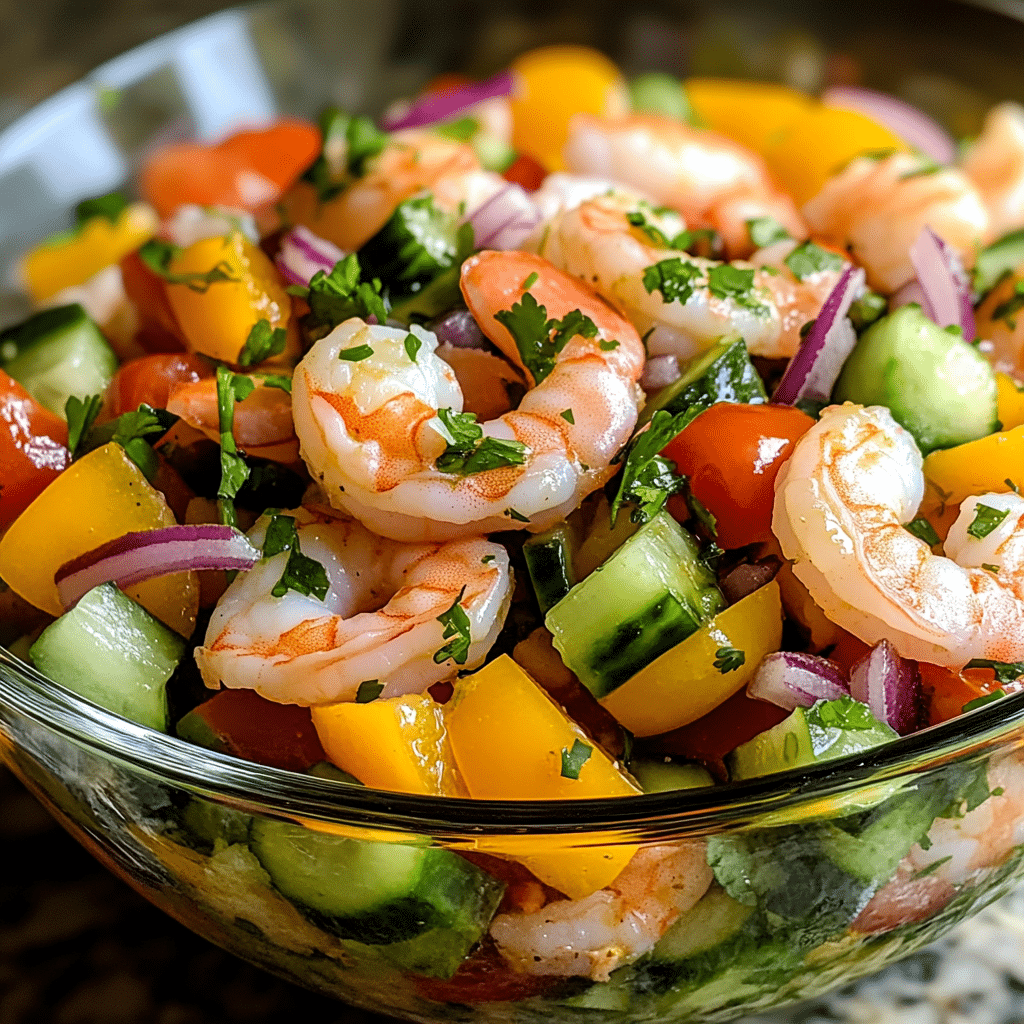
x=657, y=93
x=398, y=744
x=650, y=595
x=549, y=560
x=997, y=260
x=792, y=679
x=663, y=776
x=703, y=671
x=113, y=652
x=890, y=686
x=1011, y=401
x=991, y=464
x=58, y=353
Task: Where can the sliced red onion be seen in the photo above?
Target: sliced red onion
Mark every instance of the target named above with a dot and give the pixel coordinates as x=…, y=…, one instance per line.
x=506, y=220
x=439, y=106
x=813, y=371
x=791, y=679
x=302, y=254
x=460, y=330
x=143, y=555
x=659, y=372
x=944, y=283
x=890, y=686
x=909, y=123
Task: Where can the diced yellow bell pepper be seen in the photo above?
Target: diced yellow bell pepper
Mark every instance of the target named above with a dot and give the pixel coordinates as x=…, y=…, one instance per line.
x=102, y=496
x=216, y=317
x=978, y=467
x=683, y=684
x=820, y=143
x=508, y=738
x=1011, y=401
x=755, y=114
x=398, y=744
x=553, y=83
x=73, y=258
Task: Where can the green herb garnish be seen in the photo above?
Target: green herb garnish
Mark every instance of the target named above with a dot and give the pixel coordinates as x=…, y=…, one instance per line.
x=263, y=342
x=456, y=628
x=356, y=354
x=234, y=472
x=412, y=346
x=567, y=415
x=369, y=690
x=110, y=207
x=985, y=698
x=340, y=295
x=808, y=259
x=356, y=139
x=469, y=452
x=574, y=759
x=728, y=659
x=675, y=278
x=539, y=339
x=157, y=256
x=922, y=530
x=301, y=573
x=765, y=231
x=986, y=519
x=80, y=416
x=1006, y=671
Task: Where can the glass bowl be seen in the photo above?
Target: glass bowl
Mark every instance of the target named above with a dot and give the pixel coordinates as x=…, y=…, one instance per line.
x=820, y=875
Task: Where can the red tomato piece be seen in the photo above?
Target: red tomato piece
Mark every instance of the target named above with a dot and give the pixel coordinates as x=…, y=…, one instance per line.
x=525, y=171
x=33, y=449
x=149, y=379
x=158, y=327
x=732, y=454
x=242, y=723
x=485, y=978
x=946, y=692
x=247, y=170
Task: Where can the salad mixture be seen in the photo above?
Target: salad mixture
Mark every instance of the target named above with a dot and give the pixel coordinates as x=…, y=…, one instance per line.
x=556, y=436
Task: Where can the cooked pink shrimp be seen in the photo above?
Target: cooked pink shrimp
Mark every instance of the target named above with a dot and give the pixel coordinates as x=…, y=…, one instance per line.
x=379, y=619
x=877, y=208
x=840, y=501
x=262, y=423
x=600, y=242
x=592, y=936
x=371, y=434
x=410, y=162
x=711, y=180
x=995, y=163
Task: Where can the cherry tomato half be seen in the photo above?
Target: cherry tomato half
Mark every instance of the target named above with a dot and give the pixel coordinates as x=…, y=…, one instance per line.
x=732, y=454
x=149, y=379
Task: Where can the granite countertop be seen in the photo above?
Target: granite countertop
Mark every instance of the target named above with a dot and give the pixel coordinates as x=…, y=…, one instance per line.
x=78, y=946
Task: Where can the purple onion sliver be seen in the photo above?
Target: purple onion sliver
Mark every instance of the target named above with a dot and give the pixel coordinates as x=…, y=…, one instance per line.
x=659, y=372
x=287, y=273
x=303, y=254
x=505, y=220
x=890, y=686
x=791, y=679
x=813, y=371
x=909, y=123
x=460, y=330
x=951, y=283
x=439, y=106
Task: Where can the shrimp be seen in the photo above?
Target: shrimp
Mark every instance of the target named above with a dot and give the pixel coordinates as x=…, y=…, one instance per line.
x=599, y=242
x=711, y=180
x=380, y=618
x=411, y=162
x=592, y=936
x=840, y=501
x=262, y=424
x=371, y=434
x=877, y=208
x=995, y=163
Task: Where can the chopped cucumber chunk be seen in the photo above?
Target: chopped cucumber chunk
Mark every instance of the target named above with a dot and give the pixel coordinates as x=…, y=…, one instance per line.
x=939, y=387
x=649, y=596
x=662, y=776
x=549, y=561
x=997, y=260
x=111, y=651
x=56, y=354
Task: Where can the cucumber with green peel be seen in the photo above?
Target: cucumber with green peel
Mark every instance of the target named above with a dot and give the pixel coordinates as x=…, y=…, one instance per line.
x=995, y=261
x=424, y=907
x=58, y=353
x=549, y=562
x=826, y=730
x=662, y=776
x=650, y=595
x=601, y=539
x=936, y=385
x=724, y=373
x=111, y=651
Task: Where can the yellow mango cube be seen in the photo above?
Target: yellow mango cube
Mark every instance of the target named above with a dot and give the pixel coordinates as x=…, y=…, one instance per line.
x=216, y=315
x=102, y=496
x=398, y=744
x=1010, y=401
x=510, y=739
x=977, y=467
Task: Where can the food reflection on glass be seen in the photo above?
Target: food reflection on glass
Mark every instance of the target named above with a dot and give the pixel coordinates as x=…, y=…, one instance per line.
x=555, y=437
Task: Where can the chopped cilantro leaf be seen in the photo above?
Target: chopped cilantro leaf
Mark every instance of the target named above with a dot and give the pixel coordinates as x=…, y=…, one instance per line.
x=462, y=129
x=531, y=281
x=262, y=343
x=935, y=864
x=647, y=478
x=157, y=256
x=339, y=295
x=922, y=530
x=574, y=759
x=233, y=469
x=728, y=282
x=356, y=354
x=517, y=516
x=675, y=278
x=280, y=381
x=567, y=415
x=765, y=231
x=808, y=259
x=539, y=339
x=487, y=559
x=110, y=207
x=986, y=519
x=349, y=142
x=1007, y=310
x=369, y=690
x=456, y=629
x=1013, y=487
x=608, y=344
x=638, y=219
x=985, y=698
x=989, y=567
x=469, y=451
x=412, y=346
x=843, y=713
x=1006, y=671
x=130, y=431
x=301, y=573
x=80, y=416
x=728, y=659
